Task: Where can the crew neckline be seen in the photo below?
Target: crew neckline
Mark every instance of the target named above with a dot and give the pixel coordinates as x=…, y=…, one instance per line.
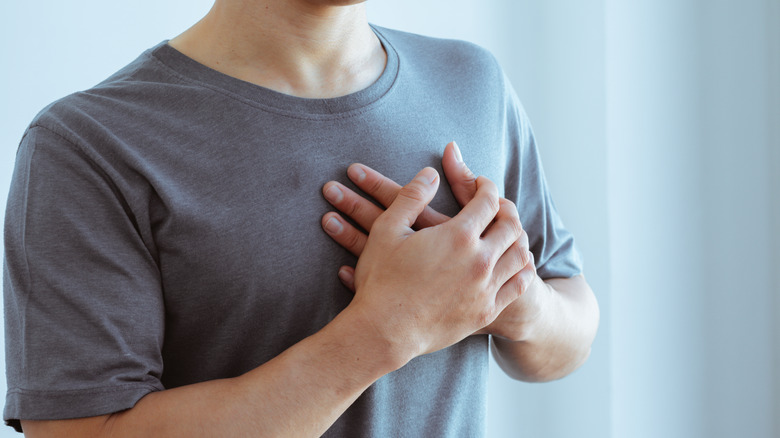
x=272, y=100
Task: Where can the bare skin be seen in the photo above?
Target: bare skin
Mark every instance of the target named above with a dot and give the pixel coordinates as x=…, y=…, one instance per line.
x=543, y=335
x=304, y=48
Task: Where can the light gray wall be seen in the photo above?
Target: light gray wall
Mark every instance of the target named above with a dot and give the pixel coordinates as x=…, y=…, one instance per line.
x=654, y=192
x=772, y=20
x=738, y=250
x=692, y=143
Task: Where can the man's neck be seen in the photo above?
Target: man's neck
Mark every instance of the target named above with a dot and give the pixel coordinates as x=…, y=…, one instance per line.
x=297, y=47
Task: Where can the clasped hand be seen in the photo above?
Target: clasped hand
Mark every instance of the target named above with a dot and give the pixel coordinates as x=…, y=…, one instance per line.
x=452, y=277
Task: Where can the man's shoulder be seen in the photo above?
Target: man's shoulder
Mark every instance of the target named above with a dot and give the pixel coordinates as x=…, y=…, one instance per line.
x=116, y=96
x=439, y=50
x=460, y=73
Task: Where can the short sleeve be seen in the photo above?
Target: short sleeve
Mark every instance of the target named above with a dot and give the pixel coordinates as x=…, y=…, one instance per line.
x=551, y=243
x=84, y=314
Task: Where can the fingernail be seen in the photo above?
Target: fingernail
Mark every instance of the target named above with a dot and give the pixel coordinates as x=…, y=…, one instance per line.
x=356, y=173
x=333, y=226
x=427, y=177
x=334, y=194
x=458, y=156
x=345, y=276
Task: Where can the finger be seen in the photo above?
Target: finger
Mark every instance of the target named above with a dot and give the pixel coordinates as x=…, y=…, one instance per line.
x=360, y=209
x=430, y=218
x=347, y=277
x=384, y=190
x=516, y=285
x=412, y=199
x=376, y=185
x=506, y=229
x=478, y=213
x=344, y=233
x=512, y=261
x=523, y=240
x=462, y=181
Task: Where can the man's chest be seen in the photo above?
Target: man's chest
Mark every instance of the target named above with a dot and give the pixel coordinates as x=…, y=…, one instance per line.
x=235, y=217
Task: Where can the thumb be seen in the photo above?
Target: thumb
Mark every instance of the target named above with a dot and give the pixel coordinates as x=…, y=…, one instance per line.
x=462, y=181
x=413, y=197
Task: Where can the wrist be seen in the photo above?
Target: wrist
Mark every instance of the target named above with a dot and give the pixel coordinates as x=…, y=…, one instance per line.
x=522, y=320
x=370, y=346
x=538, y=299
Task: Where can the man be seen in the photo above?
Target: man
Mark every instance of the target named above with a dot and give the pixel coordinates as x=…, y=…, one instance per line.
x=165, y=275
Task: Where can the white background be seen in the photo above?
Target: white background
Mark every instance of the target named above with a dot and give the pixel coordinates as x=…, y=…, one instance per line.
x=658, y=122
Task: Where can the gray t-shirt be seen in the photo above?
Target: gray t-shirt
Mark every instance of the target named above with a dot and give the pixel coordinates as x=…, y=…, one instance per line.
x=163, y=229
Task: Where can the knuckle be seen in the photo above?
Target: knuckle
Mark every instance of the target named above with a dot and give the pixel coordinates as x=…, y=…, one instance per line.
x=468, y=182
x=463, y=236
x=525, y=256
x=383, y=191
x=519, y=284
x=352, y=239
x=518, y=257
x=489, y=185
x=485, y=317
x=522, y=281
x=373, y=185
x=523, y=239
x=507, y=204
x=493, y=203
x=483, y=264
x=516, y=227
x=414, y=191
x=511, y=291
x=352, y=207
x=467, y=179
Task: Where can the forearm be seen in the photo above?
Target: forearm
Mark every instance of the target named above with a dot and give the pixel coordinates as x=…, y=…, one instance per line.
x=299, y=393
x=557, y=339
